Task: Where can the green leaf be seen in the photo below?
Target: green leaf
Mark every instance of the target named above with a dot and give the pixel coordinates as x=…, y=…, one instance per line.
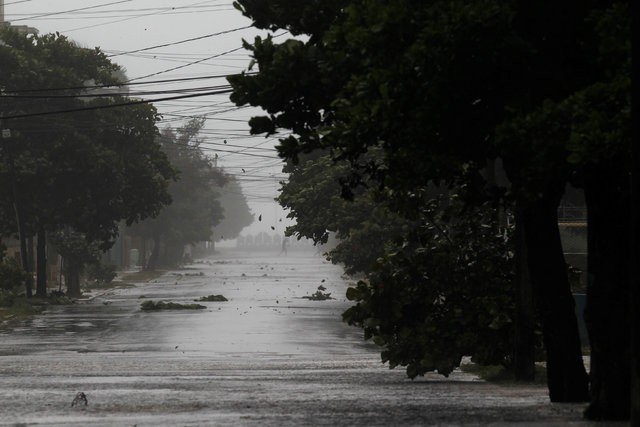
x=353, y=294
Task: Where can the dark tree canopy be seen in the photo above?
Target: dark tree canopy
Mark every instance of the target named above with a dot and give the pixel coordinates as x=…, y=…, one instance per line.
x=83, y=170
x=195, y=208
x=443, y=87
x=235, y=211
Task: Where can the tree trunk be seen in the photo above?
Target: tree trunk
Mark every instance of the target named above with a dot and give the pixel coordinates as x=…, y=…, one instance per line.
x=155, y=254
x=143, y=253
x=72, y=279
x=24, y=256
x=24, y=253
x=607, y=311
x=566, y=377
x=524, y=337
x=634, y=307
x=41, y=268
x=30, y=253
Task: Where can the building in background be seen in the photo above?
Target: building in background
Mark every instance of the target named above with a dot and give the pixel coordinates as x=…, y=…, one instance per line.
x=24, y=29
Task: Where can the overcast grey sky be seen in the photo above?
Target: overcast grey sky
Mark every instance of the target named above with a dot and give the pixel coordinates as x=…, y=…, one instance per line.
x=130, y=30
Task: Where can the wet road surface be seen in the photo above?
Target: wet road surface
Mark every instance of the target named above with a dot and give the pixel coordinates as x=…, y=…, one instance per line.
x=266, y=357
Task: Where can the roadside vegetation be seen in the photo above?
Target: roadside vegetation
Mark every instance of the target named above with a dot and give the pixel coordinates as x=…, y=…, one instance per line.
x=500, y=374
x=70, y=187
x=435, y=141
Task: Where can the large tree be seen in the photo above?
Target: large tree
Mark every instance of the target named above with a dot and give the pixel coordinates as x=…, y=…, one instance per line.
x=195, y=208
x=362, y=226
x=85, y=169
x=430, y=84
x=592, y=126
x=236, y=212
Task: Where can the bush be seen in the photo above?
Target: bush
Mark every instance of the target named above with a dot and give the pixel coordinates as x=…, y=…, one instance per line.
x=445, y=292
x=12, y=275
x=101, y=274
x=6, y=298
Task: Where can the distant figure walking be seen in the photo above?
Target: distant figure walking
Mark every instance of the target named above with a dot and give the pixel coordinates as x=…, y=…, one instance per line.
x=285, y=243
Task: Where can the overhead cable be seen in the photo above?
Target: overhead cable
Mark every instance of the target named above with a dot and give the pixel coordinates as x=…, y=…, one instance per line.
x=71, y=10
x=198, y=61
x=180, y=42
x=176, y=80
x=116, y=105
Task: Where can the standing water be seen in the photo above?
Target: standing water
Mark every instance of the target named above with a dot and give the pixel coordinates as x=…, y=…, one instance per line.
x=266, y=357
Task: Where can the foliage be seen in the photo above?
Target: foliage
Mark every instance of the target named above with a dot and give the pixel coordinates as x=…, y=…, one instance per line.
x=14, y=306
x=77, y=251
x=87, y=170
x=445, y=292
x=441, y=88
x=349, y=88
x=11, y=275
x=362, y=225
x=58, y=298
x=195, y=208
x=213, y=298
x=161, y=305
x=235, y=211
x=6, y=298
x=101, y=274
x=498, y=374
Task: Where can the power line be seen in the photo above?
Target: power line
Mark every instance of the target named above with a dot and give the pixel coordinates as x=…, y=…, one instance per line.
x=188, y=64
x=134, y=17
x=176, y=80
x=181, y=41
x=112, y=94
x=16, y=2
x=198, y=61
x=122, y=12
x=116, y=105
x=71, y=10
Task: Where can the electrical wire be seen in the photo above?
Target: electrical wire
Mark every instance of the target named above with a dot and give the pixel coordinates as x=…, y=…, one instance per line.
x=115, y=105
x=131, y=18
x=69, y=11
x=102, y=86
x=112, y=94
x=188, y=64
x=180, y=42
x=16, y=2
x=199, y=61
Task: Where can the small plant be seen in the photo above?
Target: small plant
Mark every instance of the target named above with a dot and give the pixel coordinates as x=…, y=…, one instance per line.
x=59, y=298
x=101, y=274
x=319, y=295
x=214, y=298
x=12, y=275
x=6, y=298
x=161, y=305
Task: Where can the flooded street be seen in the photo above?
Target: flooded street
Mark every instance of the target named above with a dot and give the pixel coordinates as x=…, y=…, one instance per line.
x=266, y=357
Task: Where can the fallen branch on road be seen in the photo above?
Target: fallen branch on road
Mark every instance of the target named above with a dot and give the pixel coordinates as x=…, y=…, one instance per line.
x=161, y=305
